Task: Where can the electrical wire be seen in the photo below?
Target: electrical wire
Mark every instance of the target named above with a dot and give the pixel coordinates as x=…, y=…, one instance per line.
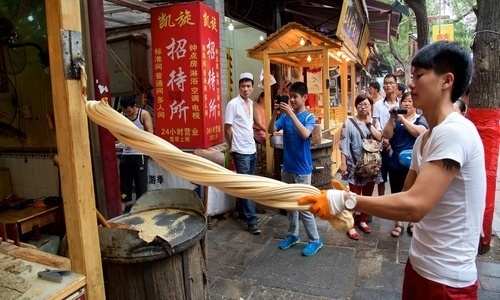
x=126, y=71
x=481, y=31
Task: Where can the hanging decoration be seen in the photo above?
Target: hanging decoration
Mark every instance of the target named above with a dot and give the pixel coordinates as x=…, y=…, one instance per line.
x=314, y=80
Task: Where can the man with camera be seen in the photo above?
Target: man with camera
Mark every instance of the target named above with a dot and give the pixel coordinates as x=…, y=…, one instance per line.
x=381, y=112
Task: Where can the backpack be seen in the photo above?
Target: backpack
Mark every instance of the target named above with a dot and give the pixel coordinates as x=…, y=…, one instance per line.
x=370, y=161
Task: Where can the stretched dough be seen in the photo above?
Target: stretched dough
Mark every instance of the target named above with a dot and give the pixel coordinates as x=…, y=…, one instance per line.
x=263, y=190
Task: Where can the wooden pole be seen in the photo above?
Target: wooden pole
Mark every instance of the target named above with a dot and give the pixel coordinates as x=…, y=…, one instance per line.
x=326, y=89
x=353, y=86
x=107, y=153
x=73, y=150
x=343, y=89
x=268, y=111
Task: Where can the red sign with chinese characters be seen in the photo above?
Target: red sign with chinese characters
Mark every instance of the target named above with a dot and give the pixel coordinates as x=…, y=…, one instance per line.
x=186, y=72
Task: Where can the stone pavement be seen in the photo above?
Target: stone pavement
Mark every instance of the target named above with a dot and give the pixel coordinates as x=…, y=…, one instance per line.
x=245, y=266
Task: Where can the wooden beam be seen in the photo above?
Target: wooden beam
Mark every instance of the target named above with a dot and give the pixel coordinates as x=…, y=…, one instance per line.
x=326, y=90
x=353, y=86
x=74, y=151
x=279, y=60
x=268, y=111
x=133, y=4
x=343, y=89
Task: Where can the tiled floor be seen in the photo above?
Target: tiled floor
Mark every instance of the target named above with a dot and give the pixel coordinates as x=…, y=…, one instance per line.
x=244, y=266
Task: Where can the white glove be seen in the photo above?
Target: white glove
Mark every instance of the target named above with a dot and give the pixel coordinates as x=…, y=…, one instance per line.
x=335, y=199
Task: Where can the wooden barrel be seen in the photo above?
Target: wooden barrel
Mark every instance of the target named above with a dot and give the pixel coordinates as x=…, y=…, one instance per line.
x=321, y=176
x=181, y=276
x=157, y=252
x=322, y=164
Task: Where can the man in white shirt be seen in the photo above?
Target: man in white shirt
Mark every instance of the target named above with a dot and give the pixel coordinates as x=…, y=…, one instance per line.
x=374, y=90
x=381, y=112
x=445, y=189
x=238, y=131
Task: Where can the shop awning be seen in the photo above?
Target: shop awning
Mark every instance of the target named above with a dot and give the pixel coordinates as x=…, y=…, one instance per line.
x=323, y=15
x=320, y=15
x=383, y=20
x=284, y=45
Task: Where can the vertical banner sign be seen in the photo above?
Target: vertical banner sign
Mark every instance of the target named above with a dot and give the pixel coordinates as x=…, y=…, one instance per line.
x=186, y=72
x=443, y=32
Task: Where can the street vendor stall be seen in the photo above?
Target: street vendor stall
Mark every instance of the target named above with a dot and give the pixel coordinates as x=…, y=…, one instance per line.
x=330, y=76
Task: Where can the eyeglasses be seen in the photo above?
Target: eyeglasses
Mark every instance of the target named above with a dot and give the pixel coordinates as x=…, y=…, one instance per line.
x=389, y=83
x=363, y=104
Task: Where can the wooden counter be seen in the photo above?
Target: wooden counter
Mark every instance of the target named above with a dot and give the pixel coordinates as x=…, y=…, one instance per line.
x=25, y=220
x=18, y=274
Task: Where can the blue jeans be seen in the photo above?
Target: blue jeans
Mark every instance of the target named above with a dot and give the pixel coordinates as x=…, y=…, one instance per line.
x=308, y=219
x=245, y=164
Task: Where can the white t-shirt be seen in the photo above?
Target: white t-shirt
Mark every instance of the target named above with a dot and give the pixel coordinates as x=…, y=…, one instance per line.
x=445, y=242
x=381, y=111
x=241, y=122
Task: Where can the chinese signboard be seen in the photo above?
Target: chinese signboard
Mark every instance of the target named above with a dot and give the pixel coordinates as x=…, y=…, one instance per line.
x=442, y=32
x=186, y=72
x=351, y=25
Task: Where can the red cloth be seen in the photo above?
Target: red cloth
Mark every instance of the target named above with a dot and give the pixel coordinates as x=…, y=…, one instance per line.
x=416, y=287
x=486, y=121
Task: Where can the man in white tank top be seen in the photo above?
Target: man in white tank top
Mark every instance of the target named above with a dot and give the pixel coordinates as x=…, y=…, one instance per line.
x=133, y=164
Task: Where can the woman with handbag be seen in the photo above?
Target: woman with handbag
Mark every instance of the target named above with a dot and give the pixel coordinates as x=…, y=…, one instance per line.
x=402, y=130
x=354, y=131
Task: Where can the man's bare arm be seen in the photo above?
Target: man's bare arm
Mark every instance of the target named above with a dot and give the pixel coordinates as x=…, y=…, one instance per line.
x=412, y=205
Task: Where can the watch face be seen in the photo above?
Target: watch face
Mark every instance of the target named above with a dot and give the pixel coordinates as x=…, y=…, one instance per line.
x=350, y=203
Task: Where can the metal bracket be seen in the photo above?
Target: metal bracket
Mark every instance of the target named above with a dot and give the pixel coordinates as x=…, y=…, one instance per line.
x=72, y=53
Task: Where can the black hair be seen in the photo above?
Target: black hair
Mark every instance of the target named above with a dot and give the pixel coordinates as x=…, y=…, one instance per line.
x=127, y=101
x=393, y=76
x=401, y=87
x=362, y=97
x=462, y=105
x=405, y=95
x=375, y=85
x=299, y=87
x=245, y=80
x=444, y=57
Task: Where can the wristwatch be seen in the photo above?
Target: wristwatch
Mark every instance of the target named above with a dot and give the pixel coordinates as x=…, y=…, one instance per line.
x=350, y=202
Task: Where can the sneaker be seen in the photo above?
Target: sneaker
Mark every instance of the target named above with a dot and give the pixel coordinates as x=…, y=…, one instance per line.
x=289, y=241
x=312, y=247
x=243, y=219
x=254, y=229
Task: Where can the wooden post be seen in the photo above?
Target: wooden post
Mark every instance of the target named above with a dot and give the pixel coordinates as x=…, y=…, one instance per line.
x=268, y=111
x=74, y=151
x=353, y=86
x=343, y=89
x=326, y=89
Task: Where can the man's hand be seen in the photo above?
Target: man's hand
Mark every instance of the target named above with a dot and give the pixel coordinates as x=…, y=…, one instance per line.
x=326, y=205
x=319, y=205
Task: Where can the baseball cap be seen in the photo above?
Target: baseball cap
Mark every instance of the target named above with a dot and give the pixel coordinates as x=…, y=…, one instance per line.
x=246, y=75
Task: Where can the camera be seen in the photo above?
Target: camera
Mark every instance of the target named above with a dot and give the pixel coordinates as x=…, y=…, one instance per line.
x=399, y=111
x=281, y=98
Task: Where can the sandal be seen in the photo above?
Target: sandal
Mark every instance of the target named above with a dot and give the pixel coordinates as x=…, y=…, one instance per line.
x=365, y=229
x=410, y=229
x=397, y=230
x=353, y=236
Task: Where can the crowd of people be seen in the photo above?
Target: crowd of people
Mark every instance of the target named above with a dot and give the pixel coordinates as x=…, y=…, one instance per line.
x=445, y=184
x=446, y=153
x=425, y=141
